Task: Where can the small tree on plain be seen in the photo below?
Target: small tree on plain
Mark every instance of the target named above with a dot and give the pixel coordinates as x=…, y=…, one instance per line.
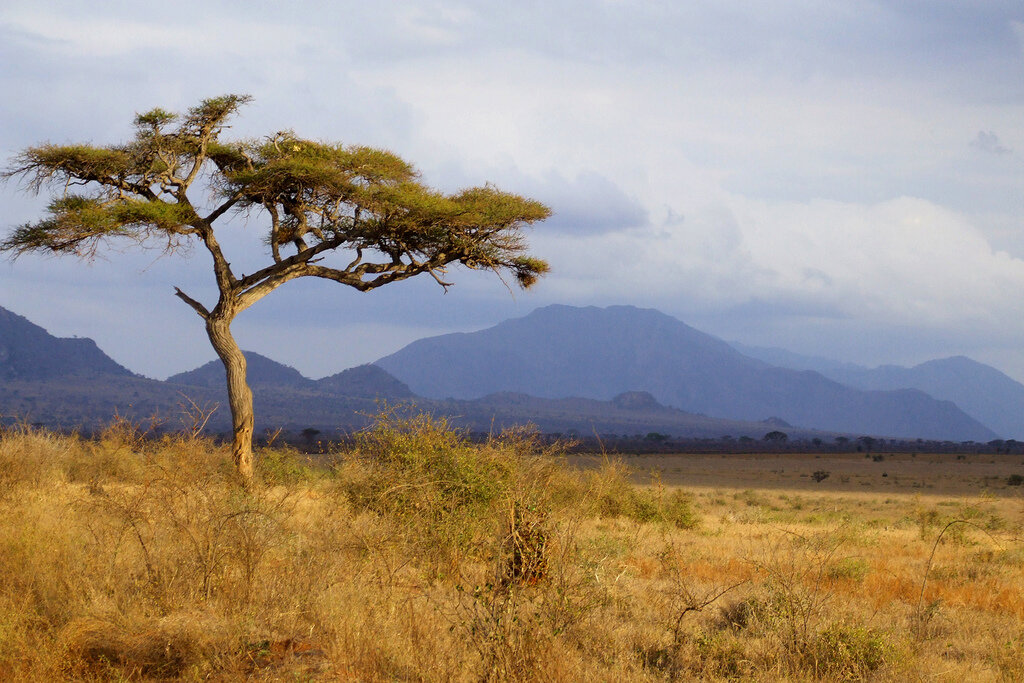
x=365, y=207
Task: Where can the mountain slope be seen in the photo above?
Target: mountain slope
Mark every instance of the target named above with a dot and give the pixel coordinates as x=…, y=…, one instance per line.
x=261, y=371
x=28, y=352
x=981, y=391
x=365, y=381
x=561, y=351
x=631, y=413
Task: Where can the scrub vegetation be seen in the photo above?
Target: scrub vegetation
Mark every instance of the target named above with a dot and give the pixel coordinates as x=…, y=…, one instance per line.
x=417, y=555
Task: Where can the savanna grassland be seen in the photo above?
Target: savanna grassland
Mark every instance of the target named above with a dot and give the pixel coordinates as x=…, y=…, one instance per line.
x=416, y=555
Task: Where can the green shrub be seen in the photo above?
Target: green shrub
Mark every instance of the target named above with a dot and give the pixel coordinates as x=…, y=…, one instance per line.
x=852, y=568
x=718, y=655
x=849, y=652
x=286, y=466
x=614, y=495
x=678, y=510
x=446, y=494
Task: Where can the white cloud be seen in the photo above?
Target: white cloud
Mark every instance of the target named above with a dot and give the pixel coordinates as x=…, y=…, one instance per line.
x=905, y=261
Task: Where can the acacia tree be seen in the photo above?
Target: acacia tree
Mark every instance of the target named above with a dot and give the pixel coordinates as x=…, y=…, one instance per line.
x=354, y=215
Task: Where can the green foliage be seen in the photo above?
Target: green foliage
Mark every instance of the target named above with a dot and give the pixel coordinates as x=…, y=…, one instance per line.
x=213, y=110
x=287, y=467
x=154, y=119
x=286, y=164
x=445, y=492
x=612, y=494
x=719, y=655
x=160, y=215
x=71, y=162
x=527, y=270
x=849, y=652
x=851, y=568
x=423, y=449
x=678, y=510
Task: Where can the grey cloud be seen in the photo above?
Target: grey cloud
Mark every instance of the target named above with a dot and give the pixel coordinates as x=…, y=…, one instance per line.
x=987, y=141
x=971, y=43
x=588, y=204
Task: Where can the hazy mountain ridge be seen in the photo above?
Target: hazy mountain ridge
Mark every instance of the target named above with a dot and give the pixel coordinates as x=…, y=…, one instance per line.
x=631, y=413
x=368, y=381
x=632, y=358
x=344, y=401
x=28, y=352
x=981, y=391
x=260, y=371
x=561, y=351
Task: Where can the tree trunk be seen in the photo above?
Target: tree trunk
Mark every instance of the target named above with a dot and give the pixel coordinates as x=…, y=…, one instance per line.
x=239, y=393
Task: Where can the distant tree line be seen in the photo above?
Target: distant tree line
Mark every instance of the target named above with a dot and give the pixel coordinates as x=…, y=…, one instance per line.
x=323, y=440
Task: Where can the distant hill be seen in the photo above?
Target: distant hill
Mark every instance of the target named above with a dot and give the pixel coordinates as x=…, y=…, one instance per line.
x=630, y=413
x=794, y=361
x=981, y=391
x=365, y=381
x=598, y=353
x=261, y=371
x=28, y=352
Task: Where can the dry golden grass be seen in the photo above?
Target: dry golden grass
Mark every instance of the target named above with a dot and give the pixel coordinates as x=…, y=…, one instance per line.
x=419, y=556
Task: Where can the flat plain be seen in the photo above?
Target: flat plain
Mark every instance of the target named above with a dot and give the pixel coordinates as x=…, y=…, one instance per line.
x=925, y=473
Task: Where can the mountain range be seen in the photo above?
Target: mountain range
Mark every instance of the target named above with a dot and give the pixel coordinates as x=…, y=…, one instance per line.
x=71, y=384
x=597, y=353
x=590, y=370
x=980, y=390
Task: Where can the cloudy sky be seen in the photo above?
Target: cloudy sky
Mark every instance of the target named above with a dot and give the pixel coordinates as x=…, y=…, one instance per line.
x=836, y=178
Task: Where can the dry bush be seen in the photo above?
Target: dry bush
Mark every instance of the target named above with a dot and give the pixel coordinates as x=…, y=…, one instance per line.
x=446, y=495
x=30, y=457
x=610, y=492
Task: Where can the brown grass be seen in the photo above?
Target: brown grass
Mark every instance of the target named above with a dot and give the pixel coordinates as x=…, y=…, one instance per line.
x=420, y=556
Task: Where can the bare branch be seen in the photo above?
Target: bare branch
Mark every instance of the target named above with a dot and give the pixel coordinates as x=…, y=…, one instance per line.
x=437, y=278
x=222, y=209
x=198, y=307
x=251, y=295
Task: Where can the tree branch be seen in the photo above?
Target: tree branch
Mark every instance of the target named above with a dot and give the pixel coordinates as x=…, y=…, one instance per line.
x=198, y=307
x=222, y=209
x=302, y=256
x=249, y=296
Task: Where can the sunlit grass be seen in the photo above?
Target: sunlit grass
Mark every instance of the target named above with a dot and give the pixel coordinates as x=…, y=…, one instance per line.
x=418, y=555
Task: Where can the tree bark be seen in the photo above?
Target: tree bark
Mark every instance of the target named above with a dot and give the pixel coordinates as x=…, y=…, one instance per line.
x=239, y=393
